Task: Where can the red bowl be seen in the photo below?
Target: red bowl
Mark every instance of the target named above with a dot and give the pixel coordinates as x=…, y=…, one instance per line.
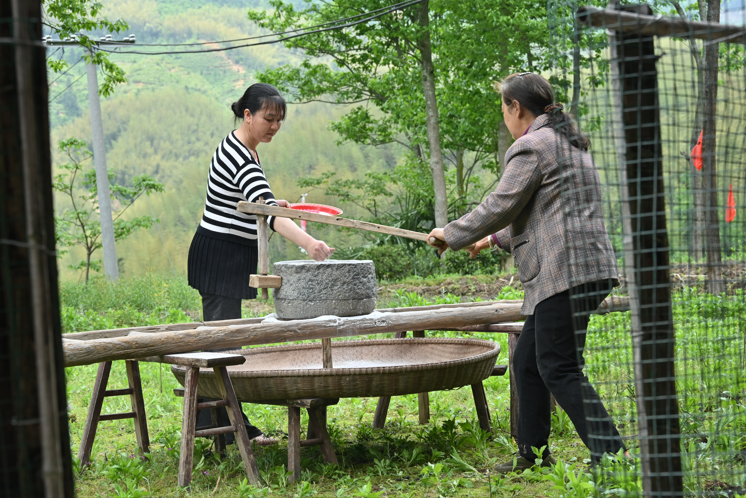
x=317, y=208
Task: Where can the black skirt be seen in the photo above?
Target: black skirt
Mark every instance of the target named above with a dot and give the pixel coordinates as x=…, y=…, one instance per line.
x=221, y=267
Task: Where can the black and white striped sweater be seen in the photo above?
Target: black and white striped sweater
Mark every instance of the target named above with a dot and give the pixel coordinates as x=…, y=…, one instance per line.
x=234, y=176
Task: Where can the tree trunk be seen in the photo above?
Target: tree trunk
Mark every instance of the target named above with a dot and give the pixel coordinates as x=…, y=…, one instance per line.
x=87, y=266
x=431, y=108
x=460, y=187
x=715, y=283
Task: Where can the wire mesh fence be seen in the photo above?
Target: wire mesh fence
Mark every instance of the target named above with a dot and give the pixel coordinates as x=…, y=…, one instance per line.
x=663, y=101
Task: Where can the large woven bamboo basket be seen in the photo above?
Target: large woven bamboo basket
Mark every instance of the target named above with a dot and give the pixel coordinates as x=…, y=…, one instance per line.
x=368, y=368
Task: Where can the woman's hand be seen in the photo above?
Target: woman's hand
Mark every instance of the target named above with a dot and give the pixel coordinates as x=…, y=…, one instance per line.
x=282, y=203
x=318, y=250
x=479, y=247
x=437, y=239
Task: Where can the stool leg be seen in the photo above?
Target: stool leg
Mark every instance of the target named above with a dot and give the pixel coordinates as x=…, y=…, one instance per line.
x=220, y=438
x=423, y=399
x=234, y=413
x=294, y=442
x=382, y=409
x=94, y=413
x=317, y=418
x=188, y=421
x=138, y=405
x=480, y=403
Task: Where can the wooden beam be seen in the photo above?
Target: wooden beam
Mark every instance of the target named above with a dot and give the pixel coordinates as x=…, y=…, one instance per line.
x=262, y=229
x=269, y=332
x=265, y=281
x=265, y=210
x=650, y=25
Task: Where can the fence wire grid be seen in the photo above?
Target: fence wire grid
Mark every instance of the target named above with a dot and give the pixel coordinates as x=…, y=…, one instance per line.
x=666, y=118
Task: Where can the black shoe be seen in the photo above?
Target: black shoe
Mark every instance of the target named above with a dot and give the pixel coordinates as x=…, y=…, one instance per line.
x=519, y=463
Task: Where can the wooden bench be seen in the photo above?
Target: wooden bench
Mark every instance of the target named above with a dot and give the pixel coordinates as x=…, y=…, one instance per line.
x=218, y=362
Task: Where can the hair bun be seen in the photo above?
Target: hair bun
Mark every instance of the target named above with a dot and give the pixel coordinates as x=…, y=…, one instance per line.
x=554, y=108
x=236, y=110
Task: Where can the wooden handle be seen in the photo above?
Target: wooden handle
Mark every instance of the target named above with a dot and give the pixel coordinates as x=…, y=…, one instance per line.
x=259, y=209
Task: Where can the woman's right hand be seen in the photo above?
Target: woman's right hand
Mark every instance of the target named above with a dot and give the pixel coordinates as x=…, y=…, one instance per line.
x=318, y=250
x=479, y=247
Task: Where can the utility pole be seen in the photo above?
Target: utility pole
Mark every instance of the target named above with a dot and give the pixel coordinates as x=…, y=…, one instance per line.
x=111, y=266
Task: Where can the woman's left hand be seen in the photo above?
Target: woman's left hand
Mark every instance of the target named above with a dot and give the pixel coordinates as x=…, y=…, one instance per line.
x=437, y=238
x=282, y=203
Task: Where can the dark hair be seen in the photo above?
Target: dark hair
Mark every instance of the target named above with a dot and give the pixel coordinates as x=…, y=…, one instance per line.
x=535, y=94
x=257, y=97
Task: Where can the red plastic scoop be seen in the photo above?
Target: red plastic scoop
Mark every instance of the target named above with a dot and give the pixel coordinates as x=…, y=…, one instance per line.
x=317, y=208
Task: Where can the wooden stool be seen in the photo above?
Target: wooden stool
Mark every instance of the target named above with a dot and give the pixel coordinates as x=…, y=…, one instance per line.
x=134, y=391
x=423, y=399
x=218, y=362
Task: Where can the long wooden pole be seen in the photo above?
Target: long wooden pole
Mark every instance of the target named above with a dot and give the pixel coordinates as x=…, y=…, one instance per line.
x=269, y=332
x=267, y=210
x=263, y=247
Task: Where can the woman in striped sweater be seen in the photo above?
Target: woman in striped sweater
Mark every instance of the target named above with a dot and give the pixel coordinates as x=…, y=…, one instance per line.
x=224, y=251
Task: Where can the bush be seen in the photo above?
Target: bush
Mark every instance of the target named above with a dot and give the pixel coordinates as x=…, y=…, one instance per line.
x=397, y=261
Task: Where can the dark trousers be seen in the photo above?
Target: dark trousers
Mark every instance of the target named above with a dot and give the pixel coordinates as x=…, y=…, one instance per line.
x=548, y=359
x=222, y=308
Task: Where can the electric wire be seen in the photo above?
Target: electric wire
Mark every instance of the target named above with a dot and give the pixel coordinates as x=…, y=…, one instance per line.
x=397, y=6
x=270, y=42
x=68, y=86
x=65, y=72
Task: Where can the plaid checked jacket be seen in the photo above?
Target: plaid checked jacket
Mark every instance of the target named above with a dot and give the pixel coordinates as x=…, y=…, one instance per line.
x=546, y=210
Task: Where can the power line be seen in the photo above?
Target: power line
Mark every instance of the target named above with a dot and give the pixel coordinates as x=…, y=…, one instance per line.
x=65, y=72
x=270, y=42
x=68, y=86
x=388, y=9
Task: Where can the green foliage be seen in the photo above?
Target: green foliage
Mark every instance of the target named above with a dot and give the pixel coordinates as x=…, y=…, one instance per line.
x=79, y=225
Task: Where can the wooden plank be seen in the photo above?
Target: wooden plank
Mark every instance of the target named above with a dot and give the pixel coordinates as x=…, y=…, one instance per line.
x=188, y=421
x=149, y=329
x=480, y=403
x=640, y=24
x=206, y=405
x=94, y=413
x=138, y=405
x=259, y=209
x=326, y=349
x=215, y=431
x=269, y=332
x=236, y=417
x=265, y=281
x=204, y=360
x=118, y=392
x=294, y=443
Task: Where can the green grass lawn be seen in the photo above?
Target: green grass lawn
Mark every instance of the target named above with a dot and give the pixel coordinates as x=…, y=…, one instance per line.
x=450, y=456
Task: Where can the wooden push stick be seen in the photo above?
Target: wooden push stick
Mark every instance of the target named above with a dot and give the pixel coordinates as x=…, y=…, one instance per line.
x=265, y=210
x=263, y=246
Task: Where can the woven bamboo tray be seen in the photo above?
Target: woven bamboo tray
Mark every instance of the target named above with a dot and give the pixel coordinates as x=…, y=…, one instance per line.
x=387, y=367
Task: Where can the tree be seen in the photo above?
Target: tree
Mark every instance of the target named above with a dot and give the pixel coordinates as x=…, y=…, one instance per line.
x=378, y=68
x=77, y=225
x=70, y=19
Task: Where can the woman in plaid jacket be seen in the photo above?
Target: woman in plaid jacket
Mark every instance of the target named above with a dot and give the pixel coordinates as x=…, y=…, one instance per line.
x=546, y=211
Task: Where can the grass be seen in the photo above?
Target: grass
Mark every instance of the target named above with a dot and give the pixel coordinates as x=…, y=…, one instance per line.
x=450, y=456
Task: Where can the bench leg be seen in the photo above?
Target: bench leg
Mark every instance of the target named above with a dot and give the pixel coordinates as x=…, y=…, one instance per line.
x=234, y=414
x=317, y=419
x=480, y=402
x=188, y=421
x=94, y=413
x=138, y=405
x=423, y=407
x=294, y=442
